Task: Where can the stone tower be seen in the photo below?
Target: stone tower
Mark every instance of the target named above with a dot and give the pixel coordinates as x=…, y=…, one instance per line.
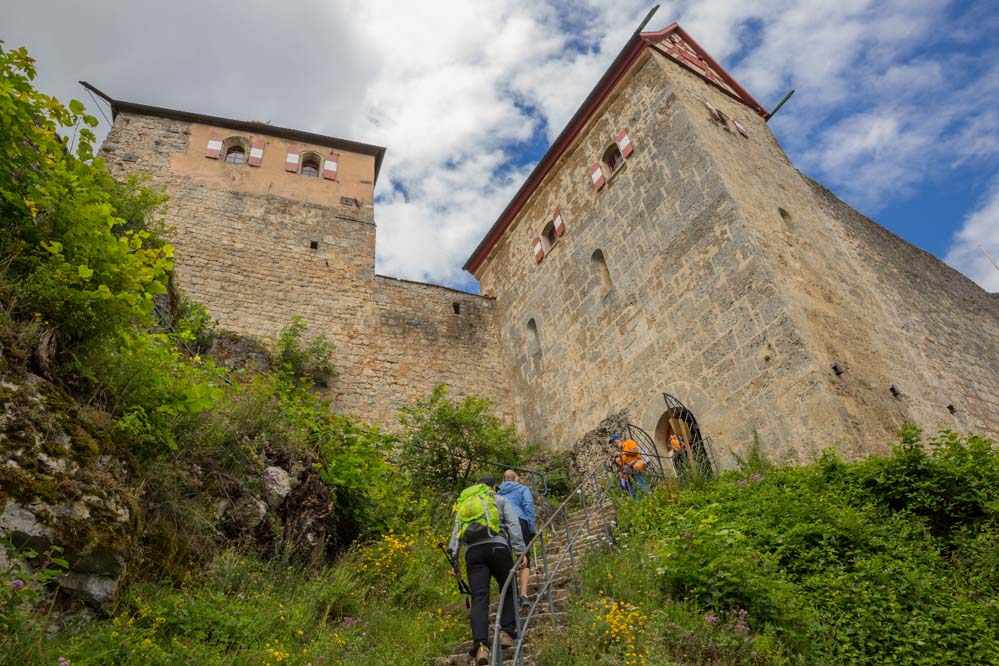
x=270, y=223
x=666, y=244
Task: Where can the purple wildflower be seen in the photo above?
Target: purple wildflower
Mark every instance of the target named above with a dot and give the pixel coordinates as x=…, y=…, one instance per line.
x=710, y=618
x=350, y=621
x=63, y=661
x=16, y=584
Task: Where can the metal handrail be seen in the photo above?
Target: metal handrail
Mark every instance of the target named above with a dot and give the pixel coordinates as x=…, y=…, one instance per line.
x=549, y=574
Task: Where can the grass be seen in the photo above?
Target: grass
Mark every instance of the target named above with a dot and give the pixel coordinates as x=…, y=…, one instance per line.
x=390, y=602
x=886, y=561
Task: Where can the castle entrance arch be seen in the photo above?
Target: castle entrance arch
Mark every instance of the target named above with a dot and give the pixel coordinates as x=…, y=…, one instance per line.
x=678, y=431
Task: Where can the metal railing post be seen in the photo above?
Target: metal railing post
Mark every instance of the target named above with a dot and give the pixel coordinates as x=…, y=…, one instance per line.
x=544, y=572
x=569, y=539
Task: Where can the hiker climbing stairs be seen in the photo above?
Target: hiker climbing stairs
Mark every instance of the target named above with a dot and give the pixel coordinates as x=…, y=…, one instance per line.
x=566, y=542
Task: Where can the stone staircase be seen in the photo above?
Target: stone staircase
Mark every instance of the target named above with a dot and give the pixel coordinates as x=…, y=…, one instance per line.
x=566, y=542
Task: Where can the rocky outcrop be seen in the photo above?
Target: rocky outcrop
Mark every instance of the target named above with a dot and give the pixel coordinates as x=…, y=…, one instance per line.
x=57, y=491
x=240, y=352
x=592, y=450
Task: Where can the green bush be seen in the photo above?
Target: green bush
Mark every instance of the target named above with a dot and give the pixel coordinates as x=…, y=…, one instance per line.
x=76, y=251
x=886, y=561
x=447, y=443
x=304, y=363
x=952, y=484
x=154, y=392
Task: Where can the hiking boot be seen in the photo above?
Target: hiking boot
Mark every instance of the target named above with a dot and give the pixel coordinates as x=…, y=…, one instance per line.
x=506, y=640
x=480, y=657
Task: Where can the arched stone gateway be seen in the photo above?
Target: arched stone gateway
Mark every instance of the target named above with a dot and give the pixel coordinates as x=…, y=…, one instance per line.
x=678, y=431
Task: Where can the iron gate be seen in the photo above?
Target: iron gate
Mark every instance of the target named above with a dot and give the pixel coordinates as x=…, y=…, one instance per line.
x=692, y=453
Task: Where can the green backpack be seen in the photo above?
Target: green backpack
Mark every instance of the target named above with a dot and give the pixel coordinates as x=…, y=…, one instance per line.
x=477, y=513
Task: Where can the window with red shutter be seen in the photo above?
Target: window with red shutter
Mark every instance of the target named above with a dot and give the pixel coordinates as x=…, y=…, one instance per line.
x=613, y=158
x=310, y=165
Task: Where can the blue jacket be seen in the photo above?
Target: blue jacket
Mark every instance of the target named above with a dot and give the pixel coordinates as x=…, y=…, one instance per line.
x=521, y=499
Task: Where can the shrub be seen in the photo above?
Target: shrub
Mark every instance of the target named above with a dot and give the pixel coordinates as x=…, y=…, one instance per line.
x=153, y=390
x=447, y=443
x=953, y=483
x=304, y=363
x=888, y=560
x=77, y=252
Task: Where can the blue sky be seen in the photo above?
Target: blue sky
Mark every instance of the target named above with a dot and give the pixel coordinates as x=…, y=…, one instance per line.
x=896, y=110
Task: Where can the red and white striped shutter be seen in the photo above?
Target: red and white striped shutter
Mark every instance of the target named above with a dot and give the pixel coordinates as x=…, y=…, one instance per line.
x=539, y=250
x=256, y=152
x=214, y=148
x=624, y=143
x=559, y=223
x=597, y=176
x=714, y=112
x=330, y=166
x=292, y=159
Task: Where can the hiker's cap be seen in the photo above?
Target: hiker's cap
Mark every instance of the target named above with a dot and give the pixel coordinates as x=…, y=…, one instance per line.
x=615, y=437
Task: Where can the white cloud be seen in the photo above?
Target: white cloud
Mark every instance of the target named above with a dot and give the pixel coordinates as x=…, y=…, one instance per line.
x=976, y=245
x=457, y=89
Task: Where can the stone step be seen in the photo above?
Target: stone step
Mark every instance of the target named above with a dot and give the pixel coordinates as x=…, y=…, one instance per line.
x=581, y=544
x=465, y=660
x=556, y=540
x=594, y=519
x=581, y=521
x=462, y=648
x=560, y=597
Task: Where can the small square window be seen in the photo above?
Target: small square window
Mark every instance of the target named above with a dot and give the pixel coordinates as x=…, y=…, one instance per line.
x=613, y=158
x=314, y=245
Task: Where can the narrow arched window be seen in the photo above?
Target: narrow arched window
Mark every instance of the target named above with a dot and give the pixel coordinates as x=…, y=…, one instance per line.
x=612, y=158
x=599, y=265
x=533, y=338
x=235, y=155
x=310, y=165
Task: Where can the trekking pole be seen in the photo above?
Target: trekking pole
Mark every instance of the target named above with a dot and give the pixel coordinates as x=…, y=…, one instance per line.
x=463, y=587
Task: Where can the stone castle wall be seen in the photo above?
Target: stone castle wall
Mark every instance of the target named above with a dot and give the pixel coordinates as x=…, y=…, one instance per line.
x=884, y=311
x=244, y=248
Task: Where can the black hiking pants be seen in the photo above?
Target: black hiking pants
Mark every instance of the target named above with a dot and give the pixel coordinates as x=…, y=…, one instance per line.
x=485, y=561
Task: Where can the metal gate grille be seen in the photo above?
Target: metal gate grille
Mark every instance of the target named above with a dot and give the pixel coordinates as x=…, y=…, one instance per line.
x=692, y=453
